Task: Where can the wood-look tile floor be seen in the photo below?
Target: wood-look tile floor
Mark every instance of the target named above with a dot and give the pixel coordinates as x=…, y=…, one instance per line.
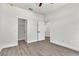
x=41, y=48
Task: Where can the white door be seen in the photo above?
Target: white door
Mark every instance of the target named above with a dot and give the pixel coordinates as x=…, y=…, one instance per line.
x=41, y=31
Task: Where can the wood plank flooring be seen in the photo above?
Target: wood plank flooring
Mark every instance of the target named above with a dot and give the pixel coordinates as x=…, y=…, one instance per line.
x=41, y=48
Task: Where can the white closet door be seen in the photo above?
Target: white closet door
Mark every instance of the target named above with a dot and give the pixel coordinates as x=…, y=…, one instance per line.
x=41, y=30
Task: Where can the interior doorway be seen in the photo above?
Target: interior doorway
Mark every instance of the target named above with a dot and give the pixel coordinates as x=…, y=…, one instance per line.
x=22, y=29
x=47, y=31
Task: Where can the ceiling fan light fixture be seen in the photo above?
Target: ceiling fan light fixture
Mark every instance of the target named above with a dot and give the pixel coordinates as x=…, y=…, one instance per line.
x=40, y=4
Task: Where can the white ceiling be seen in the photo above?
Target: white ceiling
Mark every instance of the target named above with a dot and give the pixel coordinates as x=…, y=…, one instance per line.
x=46, y=8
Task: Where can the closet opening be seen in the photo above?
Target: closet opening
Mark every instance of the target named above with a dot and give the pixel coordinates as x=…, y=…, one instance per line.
x=22, y=30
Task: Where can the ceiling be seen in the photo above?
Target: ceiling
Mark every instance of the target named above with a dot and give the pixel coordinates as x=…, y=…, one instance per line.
x=46, y=8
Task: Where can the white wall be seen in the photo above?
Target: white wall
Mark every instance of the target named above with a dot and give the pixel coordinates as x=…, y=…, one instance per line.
x=64, y=26
x=9, y=25
x=0, y=23
x=32, y=19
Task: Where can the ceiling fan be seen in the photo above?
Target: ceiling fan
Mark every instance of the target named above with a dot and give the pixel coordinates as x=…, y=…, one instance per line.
x=40, y=4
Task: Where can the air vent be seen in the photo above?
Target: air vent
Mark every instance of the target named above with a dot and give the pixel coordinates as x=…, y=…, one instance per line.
x=30, y=9
x=11, y=4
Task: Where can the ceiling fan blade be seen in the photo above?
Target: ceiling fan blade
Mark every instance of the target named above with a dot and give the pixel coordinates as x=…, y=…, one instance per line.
x=40, y=4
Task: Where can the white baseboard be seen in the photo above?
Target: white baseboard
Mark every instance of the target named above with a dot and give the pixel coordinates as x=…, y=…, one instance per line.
x=35, y=41
x=6, y=46
x=31, y=41
x=67, y=46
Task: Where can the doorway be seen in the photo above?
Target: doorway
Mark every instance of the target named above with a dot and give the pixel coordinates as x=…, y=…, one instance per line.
x=22, y=29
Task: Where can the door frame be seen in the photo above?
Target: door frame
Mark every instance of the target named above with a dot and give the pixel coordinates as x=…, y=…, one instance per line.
x=25, y=39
